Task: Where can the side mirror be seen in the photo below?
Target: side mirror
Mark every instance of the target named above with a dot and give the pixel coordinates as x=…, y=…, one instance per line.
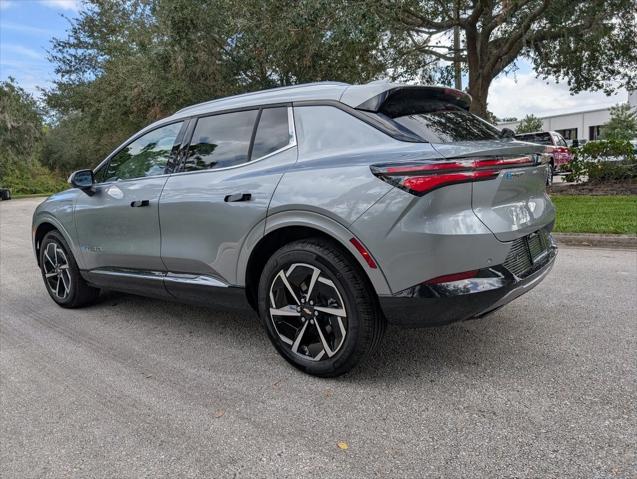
x=507, y=133
x=82, y=179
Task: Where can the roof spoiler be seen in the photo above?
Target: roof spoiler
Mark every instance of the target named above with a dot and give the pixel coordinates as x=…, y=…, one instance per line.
x=401, y=100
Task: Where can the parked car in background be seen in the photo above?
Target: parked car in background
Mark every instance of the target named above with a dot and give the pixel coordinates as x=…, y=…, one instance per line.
x=330, y=208
x=5, y=194
x=556, y=148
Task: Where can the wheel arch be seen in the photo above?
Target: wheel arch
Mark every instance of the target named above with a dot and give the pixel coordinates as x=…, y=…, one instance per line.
x=42, y=228
x=283, y=228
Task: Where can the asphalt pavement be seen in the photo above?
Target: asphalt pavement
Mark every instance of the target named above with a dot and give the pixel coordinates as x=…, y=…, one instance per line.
x=135, y=387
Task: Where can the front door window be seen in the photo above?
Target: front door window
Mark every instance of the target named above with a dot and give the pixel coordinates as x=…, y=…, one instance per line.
x=148, y=155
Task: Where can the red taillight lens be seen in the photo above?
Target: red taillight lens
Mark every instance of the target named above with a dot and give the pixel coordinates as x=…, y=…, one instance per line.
x=423, y=177
x=423, y=184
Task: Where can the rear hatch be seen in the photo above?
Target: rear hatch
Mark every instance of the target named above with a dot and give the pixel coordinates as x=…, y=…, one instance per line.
x=515, y=203
x=508, y=177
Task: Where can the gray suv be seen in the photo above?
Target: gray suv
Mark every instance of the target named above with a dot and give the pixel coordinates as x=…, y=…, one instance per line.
x=331, y=209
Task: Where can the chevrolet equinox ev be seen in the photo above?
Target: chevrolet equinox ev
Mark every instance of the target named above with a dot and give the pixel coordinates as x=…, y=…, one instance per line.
x=331, y=209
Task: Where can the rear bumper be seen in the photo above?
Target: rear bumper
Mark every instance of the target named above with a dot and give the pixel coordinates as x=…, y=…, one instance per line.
x=436, y=305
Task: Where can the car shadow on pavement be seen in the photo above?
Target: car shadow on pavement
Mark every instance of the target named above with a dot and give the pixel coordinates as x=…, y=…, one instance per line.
x=404, y=354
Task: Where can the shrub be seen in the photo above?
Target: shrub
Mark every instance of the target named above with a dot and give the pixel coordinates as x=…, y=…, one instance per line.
x=603, y=161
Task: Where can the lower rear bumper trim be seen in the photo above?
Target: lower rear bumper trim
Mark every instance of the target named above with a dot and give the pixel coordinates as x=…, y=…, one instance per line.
x=424, y=306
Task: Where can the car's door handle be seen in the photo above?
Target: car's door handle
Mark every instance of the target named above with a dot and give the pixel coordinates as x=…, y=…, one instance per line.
x=140, y=203
x=238, y=197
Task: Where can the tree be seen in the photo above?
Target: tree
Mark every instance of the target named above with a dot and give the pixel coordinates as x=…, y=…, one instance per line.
x=126, y=63
x=21, y=132
x=590, y=44
x=20, y=121
x=622, y=124
x=529, y=124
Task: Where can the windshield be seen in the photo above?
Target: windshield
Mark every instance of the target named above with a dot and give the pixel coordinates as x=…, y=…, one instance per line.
x=441, y=122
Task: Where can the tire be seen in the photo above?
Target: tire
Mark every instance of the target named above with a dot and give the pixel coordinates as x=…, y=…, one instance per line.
x=61, y=275
x=551, y=174
x=317, y=341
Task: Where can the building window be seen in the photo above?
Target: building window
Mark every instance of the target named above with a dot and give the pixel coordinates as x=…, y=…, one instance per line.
x=594, y=132
x=568, y=134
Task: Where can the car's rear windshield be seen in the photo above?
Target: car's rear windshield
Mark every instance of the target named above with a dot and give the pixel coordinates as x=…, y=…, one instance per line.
x=442, y=122
x=540, y=138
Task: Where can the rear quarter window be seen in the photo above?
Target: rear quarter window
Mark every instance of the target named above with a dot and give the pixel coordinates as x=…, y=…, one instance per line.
x=322, y=129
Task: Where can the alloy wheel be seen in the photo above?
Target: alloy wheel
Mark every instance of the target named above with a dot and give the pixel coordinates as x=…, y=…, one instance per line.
x=308, y=312
x=56, y=271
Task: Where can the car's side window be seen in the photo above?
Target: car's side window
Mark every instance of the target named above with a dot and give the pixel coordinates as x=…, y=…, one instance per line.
x=327, y=128
x=100, y=173
x=273, y=132
x=220, y=141
x=148, y=155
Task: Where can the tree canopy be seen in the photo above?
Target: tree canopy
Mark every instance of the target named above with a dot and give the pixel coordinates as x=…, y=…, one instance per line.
x=622, y=124
x=126, y=63
x=529, y=124
x=589, y=44
x=21, y=132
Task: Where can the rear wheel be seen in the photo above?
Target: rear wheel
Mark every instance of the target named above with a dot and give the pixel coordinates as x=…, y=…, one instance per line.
x=318, y=308
x=61, y=275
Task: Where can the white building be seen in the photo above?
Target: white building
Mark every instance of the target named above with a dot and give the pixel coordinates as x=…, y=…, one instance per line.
x=581, y=125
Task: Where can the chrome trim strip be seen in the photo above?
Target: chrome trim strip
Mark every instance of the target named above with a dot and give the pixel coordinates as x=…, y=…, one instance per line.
x=129, y=273
x=181, y=278
x=196, y=280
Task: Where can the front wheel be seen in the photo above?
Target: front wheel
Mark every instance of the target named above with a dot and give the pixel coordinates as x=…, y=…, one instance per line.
x=61, y=275
x=318, y=308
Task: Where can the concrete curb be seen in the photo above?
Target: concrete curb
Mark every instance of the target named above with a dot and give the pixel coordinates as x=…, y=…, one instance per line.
x=596, y=240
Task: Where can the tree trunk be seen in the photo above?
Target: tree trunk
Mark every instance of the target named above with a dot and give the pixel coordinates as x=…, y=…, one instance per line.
x=479, y=78
x=478, y=91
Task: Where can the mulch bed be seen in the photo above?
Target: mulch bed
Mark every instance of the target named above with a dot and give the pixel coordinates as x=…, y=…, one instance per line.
x=595, y=189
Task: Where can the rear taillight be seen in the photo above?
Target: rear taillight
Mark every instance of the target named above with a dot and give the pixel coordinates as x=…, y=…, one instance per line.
x=422, y=177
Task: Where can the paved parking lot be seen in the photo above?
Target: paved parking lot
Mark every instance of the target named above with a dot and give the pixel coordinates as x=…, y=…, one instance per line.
x=134, y=387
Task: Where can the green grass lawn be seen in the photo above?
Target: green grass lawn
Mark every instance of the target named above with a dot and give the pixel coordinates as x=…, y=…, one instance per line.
x=596, y=214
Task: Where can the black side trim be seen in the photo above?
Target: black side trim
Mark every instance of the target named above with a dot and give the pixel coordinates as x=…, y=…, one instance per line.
x=144, y=283
x=188, y=288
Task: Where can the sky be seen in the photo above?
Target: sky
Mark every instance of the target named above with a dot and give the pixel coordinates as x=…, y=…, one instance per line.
x=27, y=26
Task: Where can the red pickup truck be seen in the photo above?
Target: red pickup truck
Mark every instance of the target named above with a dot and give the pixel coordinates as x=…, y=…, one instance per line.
x=556, y=148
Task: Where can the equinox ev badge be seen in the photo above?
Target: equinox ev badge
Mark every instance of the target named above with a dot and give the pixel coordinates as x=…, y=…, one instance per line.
x=510, y=174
